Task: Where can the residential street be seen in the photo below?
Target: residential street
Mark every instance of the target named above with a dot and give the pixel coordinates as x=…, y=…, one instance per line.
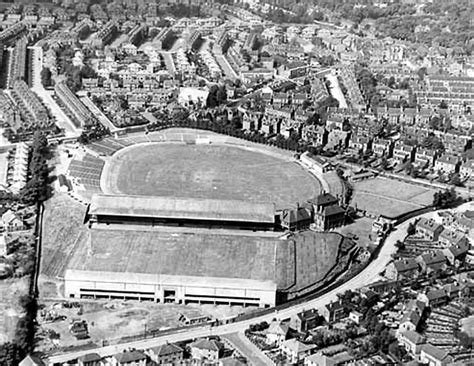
x=62, y=120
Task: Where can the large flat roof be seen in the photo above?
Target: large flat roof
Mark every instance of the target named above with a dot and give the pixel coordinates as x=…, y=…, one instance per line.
x=182, y=208
x=157, y=252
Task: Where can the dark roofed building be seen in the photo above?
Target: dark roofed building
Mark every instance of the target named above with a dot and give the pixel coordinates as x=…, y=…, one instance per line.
x=333, y=312
x=432, y=262
x=182, y=211
x=436, y=297
x=402, y=269
x=327, y=213
x=296, y=219
x=412, y=316
x=305, y=320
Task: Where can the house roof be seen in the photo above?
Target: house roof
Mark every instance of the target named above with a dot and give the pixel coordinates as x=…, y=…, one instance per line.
x=404, y=265
x=453, y=237
x=459, y=249
x=32, y=361
x=296, y=215
x=414, y=337
x=182, y=208
x=207, y=344
x=296, y=346
x=325, y=199
x=130, y=356
x=433, y=258
x=307, y=314
x=166, y=349
x=277, y=328
x=333, y=210
x=436, y=294
x=90, y=357
x=435, y=352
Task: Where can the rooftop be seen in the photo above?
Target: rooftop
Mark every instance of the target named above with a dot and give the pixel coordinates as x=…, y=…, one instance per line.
x=182, y=208
x=182, y=253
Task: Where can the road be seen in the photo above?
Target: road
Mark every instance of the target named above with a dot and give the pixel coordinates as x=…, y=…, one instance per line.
x=369, y=275
x=336, y=91
x=225, y=66
x=62, y=120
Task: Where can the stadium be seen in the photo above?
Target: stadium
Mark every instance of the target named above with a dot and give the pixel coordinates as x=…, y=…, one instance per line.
x=194, y=218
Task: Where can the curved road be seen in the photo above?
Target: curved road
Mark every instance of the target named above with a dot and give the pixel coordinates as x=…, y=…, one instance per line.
x=369, y=275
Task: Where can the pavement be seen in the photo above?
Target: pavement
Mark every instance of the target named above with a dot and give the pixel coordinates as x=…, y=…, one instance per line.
x=367, y=276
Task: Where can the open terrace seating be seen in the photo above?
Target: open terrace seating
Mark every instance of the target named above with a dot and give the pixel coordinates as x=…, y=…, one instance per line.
x=108, y=146
x=87, y=172
x=134, y=139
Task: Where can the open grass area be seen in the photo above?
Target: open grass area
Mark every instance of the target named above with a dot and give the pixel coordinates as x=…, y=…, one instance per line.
x=209, y=171
x=63, y=232
x=390, y=198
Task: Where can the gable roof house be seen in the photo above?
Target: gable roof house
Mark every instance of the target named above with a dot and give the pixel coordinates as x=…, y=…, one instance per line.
x=457, y=253
x=305, y=320
x=276, y=333
x=129, y=358
x=296, y=351
x=412, y=341
x=428, y=229
x=90, y=359
x=166, y=354
x=406, y=268
x=411, y=316
x=434, y=356
x=436, y=297
x=12, y=222
x=432, y=262
x=206, y=349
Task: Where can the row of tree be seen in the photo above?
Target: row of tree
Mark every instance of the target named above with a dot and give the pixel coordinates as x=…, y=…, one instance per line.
x=34, y=192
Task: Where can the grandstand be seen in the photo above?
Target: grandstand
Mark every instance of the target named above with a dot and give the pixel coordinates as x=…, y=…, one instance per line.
x=86, y=172
x=171, y=265
x=190, y=212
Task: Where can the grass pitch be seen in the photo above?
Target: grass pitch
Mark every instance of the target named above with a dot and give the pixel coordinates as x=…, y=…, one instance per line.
x=390, y=198
x=209, y=171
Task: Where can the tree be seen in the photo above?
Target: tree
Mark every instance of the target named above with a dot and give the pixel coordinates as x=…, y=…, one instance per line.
x=46, y=77
x=36, y=187
x=445, y=199
x=400, y=245
x=455, y=180
x=411, y=230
